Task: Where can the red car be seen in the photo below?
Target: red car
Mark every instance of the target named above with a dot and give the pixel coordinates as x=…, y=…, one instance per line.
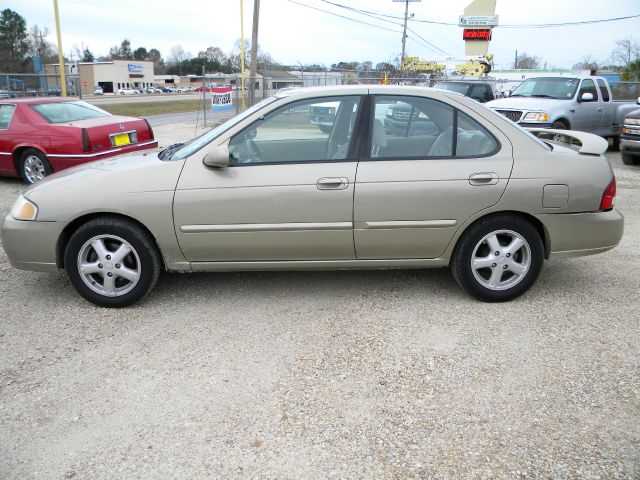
x=39, y=136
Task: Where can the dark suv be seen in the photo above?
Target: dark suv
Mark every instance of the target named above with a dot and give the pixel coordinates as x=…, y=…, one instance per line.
x=480, y=91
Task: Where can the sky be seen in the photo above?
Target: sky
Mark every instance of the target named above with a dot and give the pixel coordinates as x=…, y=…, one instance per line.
x=293, y=33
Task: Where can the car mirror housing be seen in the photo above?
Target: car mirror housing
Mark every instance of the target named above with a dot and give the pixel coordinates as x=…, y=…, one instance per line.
x=217, y=157
x=587, y=97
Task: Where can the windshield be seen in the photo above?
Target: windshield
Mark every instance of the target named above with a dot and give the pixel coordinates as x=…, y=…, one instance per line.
x=60, y=112
x=453, y=87
x=197, y=143
x=549, y=87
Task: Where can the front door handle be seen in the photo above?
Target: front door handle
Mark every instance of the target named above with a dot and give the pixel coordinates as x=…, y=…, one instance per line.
x=599, y=109
x=485, y=178
x=332, y=183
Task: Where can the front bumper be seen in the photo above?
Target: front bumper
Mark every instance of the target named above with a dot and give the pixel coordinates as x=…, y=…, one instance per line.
x=630, y=145
x=31, y=245
x=578, y=234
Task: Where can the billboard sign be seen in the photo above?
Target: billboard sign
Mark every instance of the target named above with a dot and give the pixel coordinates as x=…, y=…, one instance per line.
x=476, y=34
x=478, y=21
x=134, y=68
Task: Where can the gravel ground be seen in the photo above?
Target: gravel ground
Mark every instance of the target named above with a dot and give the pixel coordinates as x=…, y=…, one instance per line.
x=388, y=374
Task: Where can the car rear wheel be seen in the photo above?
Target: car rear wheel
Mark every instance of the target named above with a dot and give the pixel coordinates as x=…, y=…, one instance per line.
x=34, y=166
x=498, y=258
x=112, y=262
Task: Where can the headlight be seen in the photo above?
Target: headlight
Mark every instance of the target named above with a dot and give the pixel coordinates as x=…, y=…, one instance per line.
x=537, y=116
x=23, y=209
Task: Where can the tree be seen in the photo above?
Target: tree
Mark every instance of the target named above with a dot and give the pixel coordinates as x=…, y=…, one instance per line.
x=87, y=56
x=14, y=41
x=587, y=64
x=527, y=62
x=158, y=63
x=213, y=54
x=631, y=72
x=626, y=51
x=122, y=52
x=39, y=46
x=140, y=53
x=177, y=55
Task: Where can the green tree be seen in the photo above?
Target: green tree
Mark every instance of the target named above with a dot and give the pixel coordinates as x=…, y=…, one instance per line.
x=14, y=41
x=87, y=56
x=140, y=53
x=631, y=72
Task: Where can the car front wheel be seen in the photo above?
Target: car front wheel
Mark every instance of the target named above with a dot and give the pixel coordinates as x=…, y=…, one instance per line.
x=498, y=258
x=112, y=262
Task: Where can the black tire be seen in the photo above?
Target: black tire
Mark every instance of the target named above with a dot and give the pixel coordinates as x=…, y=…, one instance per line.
x=33, y=166
x=143, y=259
x=559, y=125
x=512, y=227
x=615, y=143
x=630, y=159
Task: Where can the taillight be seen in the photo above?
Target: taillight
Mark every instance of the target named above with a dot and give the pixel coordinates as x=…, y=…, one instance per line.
x=86, y=146
x=608, y=196
x=150, y=129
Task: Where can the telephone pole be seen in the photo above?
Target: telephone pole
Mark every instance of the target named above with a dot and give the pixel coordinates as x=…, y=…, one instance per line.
x=254, y=53
x=404, y=30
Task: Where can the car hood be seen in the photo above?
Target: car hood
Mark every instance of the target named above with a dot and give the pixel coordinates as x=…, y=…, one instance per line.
x=524, y=103
x=103, y=185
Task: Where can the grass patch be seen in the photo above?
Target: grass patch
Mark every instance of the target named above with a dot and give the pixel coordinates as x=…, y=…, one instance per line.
x=143, y=109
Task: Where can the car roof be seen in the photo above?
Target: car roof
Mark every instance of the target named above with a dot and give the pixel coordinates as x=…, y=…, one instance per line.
x=38, y=100
x=364, y=89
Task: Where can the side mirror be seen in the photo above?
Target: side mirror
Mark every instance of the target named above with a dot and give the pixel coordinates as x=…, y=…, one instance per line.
x=217, y=157
x=587, y=97
x=638, y=100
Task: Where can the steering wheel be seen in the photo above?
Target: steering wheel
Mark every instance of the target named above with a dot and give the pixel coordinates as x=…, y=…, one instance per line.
x=256, y=155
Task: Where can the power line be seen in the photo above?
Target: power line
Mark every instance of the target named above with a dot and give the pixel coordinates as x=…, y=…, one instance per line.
x=541, y=25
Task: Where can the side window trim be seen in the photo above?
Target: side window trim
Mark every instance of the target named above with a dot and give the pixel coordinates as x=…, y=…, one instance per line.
x=365, y=149
x=604, y=93
x=288, y=106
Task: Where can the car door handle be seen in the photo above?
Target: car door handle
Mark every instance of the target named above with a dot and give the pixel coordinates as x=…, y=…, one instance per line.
x=485, y=178
x=332, y=183
x=599, y=109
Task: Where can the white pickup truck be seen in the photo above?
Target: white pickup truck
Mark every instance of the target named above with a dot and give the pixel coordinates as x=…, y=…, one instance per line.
x=576, y=103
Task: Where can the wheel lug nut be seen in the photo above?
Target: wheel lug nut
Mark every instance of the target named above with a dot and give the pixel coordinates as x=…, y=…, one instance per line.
x=108, y=257
x=494, y=265
x=109, y=274
x=117, y=265
x=99, y=265
x=508, y=255
x=497, y=253
x=504, y=267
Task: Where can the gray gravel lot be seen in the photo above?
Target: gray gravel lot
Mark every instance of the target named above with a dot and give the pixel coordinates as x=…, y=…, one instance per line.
x=387, y=374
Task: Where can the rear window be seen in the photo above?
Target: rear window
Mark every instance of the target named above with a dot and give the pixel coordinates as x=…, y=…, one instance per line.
x=6, y=113
x=69, y=111
x=453, y=87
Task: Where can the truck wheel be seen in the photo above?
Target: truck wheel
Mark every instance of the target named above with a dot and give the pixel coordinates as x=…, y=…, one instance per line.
x=559, y=125
x=615, y=143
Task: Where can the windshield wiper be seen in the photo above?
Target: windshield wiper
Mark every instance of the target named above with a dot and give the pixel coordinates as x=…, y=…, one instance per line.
x=541, y=95
x=167, y=152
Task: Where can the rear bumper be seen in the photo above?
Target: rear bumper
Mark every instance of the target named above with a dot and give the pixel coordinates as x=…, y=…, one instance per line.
x=578, y=234
x=31, y=245
x=62, y=161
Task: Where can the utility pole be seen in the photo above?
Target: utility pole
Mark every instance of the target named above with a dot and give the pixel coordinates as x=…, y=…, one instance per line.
x=204, y=99
x=515, y=65
x=63, y=80
x=254, y=53
x=404, y=33
x=244, y=105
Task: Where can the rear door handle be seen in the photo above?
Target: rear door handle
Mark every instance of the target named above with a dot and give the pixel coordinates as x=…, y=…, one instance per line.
x=332, y=183
x=485, y=178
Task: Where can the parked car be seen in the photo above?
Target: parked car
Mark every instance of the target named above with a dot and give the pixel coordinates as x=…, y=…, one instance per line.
x=98, y=91
x=39, y=136
x=127, y=91
x=480, y=91
x=576, y=103
x=630, y=138
x=266, y=190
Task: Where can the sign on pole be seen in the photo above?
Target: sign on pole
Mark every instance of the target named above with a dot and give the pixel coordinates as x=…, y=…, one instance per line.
x=221, y=98
x=478, y=21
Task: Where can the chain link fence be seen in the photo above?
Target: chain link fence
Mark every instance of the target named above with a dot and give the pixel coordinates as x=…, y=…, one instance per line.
x=19, y=85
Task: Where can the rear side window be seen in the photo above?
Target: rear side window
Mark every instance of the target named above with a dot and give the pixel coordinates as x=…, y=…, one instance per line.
x=421, y=128
x=6, y=114
x=603, y=90
x=480, y=93
x=68, y=111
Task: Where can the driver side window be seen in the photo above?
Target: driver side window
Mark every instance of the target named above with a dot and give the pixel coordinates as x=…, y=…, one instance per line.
x=314, y=130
